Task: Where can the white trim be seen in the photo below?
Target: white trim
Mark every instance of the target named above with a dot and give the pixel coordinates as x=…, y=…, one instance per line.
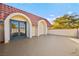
x=7, y=26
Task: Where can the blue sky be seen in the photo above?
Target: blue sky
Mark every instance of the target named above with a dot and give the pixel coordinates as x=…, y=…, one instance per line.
x=48, y=10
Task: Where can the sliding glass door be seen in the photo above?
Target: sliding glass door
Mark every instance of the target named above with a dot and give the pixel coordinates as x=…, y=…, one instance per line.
x=18, y=29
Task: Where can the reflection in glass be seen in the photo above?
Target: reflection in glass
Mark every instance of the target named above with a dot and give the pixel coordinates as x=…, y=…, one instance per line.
x=22, y=28
x=18, y=29
x=1, y=31
x=14, y=28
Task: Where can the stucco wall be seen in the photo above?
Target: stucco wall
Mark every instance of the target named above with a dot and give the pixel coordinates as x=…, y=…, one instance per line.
x=33, y=30
x=41, y=28
x=65, y=32
x=18, y=17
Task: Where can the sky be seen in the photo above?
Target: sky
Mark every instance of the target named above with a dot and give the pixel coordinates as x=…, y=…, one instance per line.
x=50, y=11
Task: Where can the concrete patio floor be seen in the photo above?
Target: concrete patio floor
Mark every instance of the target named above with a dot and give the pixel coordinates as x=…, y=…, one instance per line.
x=50, y=45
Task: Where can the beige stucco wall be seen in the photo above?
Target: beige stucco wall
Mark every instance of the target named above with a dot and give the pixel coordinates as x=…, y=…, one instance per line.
x=19, y=18
x=42, y=27
x=33, y=30
x=64, y=32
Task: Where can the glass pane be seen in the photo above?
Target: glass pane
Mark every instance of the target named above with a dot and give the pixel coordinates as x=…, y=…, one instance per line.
x=22, y=28
x=14, y=28
x=1, y=31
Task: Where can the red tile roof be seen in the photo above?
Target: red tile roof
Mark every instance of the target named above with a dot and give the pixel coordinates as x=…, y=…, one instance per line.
x=5, y=10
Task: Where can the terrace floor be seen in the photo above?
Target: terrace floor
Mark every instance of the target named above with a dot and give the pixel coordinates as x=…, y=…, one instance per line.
x=49, y=45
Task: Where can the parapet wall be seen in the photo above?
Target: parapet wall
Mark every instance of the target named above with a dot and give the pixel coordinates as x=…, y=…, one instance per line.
x=65, y=32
